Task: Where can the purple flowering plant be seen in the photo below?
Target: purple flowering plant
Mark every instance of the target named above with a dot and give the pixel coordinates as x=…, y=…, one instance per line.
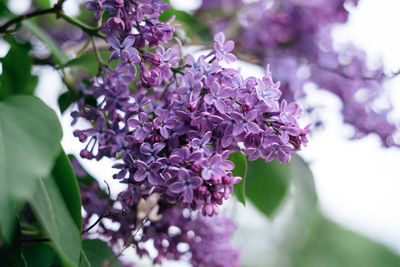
x=180, y=129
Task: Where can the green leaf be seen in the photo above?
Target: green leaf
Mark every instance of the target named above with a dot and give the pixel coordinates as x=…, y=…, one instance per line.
x=97, y=253
x=240, y=161
x=39, y=255
x=50, y=207
x=17, y=76
x=194, y=28
x=66, y=180
x=330, y=245
x=10, y=254
x=29, y=140
x=64, y=101
x=42, y=3
x=54, y=49
x=267, y=184
x=89, y=63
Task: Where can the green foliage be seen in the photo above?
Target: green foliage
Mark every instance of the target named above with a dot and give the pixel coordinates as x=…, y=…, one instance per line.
x=194, y=28
x=88, y=62
x=29, y=139
x=17, y=75
x=240, y=161
x=10, y=254
x=66, y=181
x=54, y=49
x=96, y=253
x=39, y=255
x=64, y=101
x=42, y=3
x=51, y=209
x=267, y=184
x=330, y=245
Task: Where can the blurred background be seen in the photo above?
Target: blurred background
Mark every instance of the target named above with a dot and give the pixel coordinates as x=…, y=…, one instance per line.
x=344, y=213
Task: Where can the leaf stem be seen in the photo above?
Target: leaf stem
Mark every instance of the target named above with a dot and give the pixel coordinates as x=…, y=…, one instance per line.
x=84, y=27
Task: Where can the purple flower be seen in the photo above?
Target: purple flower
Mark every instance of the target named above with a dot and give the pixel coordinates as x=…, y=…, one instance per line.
x=128, y=61
x=164, y=122
x=201, y=144
x=244, y=123
x=96, y=6
x=287, y=130
x=126, y=46
x=280, y=151
x=289, y=113
x=186, y=184
x=151, y=172
x=213, y=168
x=184, y=156
x=151, y=151
x=190, y=87
x=269, y=95
x=223, y=49
x=217, y=97
x=142, y=127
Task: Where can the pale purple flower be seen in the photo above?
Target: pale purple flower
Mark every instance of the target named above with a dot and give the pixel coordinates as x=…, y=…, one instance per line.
x=202, y=144
x=280, y=151
x=217, y=97
x=119, y=48
x=223, y=49
x=245, y=123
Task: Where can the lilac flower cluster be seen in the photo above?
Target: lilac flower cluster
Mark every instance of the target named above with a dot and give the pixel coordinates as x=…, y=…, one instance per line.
x=177, y=235
x=175, y=123
x=172, y=121
x=298, y=45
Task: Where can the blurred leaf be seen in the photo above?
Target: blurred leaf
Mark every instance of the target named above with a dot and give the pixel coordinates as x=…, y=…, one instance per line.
x=194, y=28
x=42, y=3
x=64, y=101
x=97, y=253
x=52, y=211
x=54, y=49
x=267, y=184
x=240, y=161
x=67, y=183
x=10, y=254
x=89, y=63
x=39, y=255
x=17, y=77
x=330, y=245
x=29, y=140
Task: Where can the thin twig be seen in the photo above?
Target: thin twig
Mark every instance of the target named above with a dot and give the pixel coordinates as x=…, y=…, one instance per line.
x=17, y=20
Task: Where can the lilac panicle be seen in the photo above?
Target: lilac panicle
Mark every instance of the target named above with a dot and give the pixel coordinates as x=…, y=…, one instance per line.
x=171, y=121
x=300, y=50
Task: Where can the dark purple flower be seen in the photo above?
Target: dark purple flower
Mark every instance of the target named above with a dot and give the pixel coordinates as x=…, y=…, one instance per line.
x=141, y=126
x=128, y=61
x=149, y=171
x=186, y=183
